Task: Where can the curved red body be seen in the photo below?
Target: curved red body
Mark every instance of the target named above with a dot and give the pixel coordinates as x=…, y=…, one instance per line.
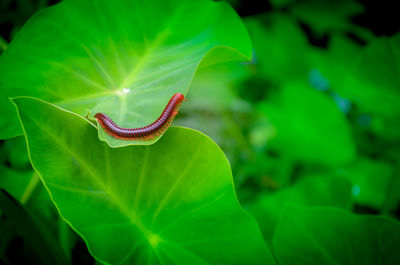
x=143, y=133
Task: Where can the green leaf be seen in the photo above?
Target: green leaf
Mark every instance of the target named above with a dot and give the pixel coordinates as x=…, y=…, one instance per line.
x=17, y=153
x=373, y=84
x=15, y=182
x=273, y=37
x=25, y=186
x=370, y=179
x=309, y=126
x=375, y=79
x=326, y=16
x=336, y=62
x=35, y=234
x=123, y=58
x=310, y=190
x=169, y=203
x=331, y=236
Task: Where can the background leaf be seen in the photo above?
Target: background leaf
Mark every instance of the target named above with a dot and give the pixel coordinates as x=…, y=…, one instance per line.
x=17, y=154
x=309, y=126
x=33, y=231
x=371, y=180
x=325, y=16
x=313, y=190
x=335, y=63
x=273, y=37
x=330, y=236
x=123, y=58
x=373, y=82
x=15, y=182
x=171, y=202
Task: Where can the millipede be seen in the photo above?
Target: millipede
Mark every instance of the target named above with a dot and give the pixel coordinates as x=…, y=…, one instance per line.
x=148, y=132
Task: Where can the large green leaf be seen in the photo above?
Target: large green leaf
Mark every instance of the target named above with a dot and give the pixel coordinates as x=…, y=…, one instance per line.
x=273, y=38
x=309, y=126
x=331, y=236
x=169, y=203
x=125, y=58
x=311, y=191
x=371, y=181
x=336, y=61
x=373, y=85
x=375, y=79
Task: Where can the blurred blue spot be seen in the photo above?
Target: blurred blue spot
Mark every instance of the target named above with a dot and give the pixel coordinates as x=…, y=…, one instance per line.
x=356, y=190
x=317, y=80
x=343, y=103
x=364, y=120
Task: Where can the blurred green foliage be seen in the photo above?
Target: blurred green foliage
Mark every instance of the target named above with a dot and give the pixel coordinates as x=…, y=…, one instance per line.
x=331, y=236
x=309, y=124
x=311, y=131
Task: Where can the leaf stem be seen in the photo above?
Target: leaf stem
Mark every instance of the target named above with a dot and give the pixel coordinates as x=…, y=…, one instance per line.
x=33, y=183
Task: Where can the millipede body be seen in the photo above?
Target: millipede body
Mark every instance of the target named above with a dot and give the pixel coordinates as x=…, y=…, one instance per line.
x=148, y=132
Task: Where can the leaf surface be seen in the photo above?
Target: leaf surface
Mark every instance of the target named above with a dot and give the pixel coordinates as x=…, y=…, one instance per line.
x=273, y=42
x=371, y=181
x=374, y=85
x=169, y=203
x=374, y=81
x=313, y=190
x=123, y=58
x=331, y=236
x=309, y=126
